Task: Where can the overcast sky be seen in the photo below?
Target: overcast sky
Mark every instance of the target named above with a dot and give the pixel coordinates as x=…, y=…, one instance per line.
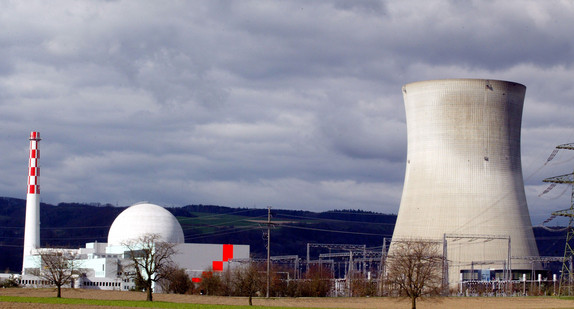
x=289, y=104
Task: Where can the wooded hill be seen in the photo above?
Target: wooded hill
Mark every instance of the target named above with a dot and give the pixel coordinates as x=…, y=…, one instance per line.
x=72, y=225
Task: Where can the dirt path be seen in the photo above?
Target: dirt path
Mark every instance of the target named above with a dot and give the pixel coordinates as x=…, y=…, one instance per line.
x=339, y=302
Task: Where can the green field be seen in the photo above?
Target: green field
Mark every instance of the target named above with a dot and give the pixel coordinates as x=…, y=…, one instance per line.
x=206, y=223
x=120, y=303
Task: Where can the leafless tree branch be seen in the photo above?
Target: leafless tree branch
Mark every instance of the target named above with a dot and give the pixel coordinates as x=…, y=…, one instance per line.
x=151, y=259
x=415, y=269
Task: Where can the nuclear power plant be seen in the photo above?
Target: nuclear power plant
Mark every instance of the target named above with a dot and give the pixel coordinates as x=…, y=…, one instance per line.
x=105, y=265
x=463, y=184
x=463, y=190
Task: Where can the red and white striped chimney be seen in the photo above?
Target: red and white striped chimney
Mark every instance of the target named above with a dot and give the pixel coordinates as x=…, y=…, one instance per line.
x=32, y=225
x=34, y=170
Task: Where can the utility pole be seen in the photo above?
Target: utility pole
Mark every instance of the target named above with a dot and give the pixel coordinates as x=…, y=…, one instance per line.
x=382, y=267
x=444, y=265
x=268, y=250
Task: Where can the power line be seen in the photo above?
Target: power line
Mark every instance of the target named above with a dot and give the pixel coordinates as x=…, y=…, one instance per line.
x=245, y=219
x=59, y=227
x=220, y=233
x=335, y=220
x=332, y=231
x=225, y=214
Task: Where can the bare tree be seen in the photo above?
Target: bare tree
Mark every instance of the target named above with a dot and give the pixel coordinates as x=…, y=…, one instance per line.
x=317, y=282
x=177, y=281
x=361, y=286
x=211, y=283
x=151, y=260
x=415, y=269
x=57, y=266
x=248, y=281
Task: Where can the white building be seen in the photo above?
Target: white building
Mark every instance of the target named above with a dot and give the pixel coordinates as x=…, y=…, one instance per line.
x=101, y=263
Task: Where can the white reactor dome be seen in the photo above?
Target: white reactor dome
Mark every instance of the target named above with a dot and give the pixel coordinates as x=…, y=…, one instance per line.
x=144, y=218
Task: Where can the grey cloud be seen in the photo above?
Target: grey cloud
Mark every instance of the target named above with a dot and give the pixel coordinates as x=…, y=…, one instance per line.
x=292, y=103
x=357, y=134
x=377, y=7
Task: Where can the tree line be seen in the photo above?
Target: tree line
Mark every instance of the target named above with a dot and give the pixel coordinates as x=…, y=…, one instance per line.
x=414, y=270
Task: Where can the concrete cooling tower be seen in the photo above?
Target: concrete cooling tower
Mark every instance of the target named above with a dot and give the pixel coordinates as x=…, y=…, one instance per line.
x=463, y=183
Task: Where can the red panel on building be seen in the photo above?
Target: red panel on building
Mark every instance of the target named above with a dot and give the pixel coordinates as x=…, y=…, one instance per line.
x=217, y=265
x=206, y=274
x=227, y=252
x=196, y=280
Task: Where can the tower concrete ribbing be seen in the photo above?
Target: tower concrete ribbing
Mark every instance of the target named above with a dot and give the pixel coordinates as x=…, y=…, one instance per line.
x=463, y=172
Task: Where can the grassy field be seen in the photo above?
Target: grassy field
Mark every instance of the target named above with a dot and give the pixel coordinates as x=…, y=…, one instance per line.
x=112, y=303
x=44, y=298
x=210, y=223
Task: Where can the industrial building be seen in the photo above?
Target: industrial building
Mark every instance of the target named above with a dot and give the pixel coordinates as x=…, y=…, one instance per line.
x=463, y=184
x=104, y=264
x=463, y=189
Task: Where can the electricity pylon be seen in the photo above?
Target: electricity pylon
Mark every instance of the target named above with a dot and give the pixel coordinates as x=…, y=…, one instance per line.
x=566, y=275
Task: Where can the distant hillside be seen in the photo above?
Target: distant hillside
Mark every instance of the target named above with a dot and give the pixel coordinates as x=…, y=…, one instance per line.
x=68, y=224
x=292, y=231
x=74, y=224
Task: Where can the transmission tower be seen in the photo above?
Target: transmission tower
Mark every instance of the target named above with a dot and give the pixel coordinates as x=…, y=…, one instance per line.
x=566, y=276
